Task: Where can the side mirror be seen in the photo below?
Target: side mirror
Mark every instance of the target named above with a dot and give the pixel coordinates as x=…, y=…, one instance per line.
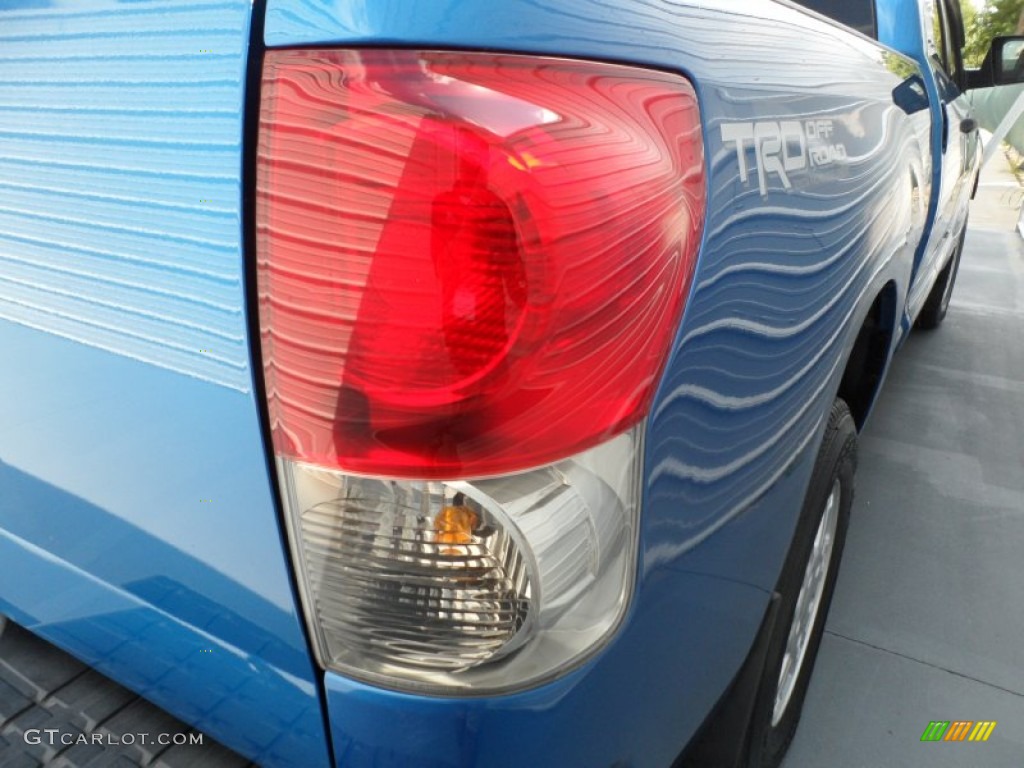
x=1003, y=64
x=1007, y=60
x=910, y=95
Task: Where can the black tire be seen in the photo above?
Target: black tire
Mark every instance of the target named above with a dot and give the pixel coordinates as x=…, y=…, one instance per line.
x=772, y=731
x=937, y=304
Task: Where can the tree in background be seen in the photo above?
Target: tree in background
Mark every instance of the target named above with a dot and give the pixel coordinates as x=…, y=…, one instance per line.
x=998, y=17
x=970, y=17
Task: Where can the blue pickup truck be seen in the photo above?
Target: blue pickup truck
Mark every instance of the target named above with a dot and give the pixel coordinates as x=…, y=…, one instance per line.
x=451, y=383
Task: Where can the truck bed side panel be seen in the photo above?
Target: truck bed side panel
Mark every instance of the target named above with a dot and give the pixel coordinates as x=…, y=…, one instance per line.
x=785, y=278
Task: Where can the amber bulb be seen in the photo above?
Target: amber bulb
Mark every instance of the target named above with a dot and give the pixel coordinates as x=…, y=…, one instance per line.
x=454, y=525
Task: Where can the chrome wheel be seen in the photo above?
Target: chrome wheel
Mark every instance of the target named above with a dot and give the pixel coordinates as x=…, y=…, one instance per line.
x=807, y=603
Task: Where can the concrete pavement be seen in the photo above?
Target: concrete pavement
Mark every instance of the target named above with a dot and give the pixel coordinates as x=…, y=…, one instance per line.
x=928, y=617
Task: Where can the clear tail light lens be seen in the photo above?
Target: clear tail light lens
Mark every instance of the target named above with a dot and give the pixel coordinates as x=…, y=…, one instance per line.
x=470, y=267
x=441, y=586
x=440, y=562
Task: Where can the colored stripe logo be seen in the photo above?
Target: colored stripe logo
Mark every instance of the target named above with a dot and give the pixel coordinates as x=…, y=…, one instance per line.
x=958, y=730
x=982, y=731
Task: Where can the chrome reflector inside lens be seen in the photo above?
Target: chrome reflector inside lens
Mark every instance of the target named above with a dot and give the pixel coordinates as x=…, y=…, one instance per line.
x=486, y=584
x=413, y=573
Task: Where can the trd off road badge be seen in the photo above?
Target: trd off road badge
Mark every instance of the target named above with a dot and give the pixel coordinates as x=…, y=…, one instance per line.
x=782, y=148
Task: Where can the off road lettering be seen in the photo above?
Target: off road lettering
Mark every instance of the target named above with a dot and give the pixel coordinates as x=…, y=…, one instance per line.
x=782, y=148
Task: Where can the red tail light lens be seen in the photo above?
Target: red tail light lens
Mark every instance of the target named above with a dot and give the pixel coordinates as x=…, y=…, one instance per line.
x=468, y=263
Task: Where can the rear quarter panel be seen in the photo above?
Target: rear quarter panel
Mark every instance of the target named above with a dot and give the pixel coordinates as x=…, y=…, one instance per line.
x=785, y=278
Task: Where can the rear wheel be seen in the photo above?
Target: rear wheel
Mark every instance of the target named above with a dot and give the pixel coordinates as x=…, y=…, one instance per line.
x=805, y=586
x=935, y=307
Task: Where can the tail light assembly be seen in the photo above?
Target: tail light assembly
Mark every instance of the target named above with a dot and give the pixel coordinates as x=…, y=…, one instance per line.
x=470, y=268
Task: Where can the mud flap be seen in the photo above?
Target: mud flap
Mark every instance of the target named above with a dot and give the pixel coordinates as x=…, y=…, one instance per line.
x=722, y=740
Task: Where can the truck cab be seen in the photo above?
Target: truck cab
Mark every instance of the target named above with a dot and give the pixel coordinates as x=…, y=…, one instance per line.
x=931, y=32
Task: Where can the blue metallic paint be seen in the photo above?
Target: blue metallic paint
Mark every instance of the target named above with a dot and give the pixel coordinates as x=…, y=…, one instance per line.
x=137, y=522
x=783, y=284
x=900, y=27
x=100, y=495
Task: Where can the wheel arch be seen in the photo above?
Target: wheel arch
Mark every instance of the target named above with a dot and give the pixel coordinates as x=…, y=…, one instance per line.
x=869, y=358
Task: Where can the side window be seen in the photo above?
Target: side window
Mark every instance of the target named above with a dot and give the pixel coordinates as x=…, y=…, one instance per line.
x=937, y=40
x=859, y=14
x=942, y=47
